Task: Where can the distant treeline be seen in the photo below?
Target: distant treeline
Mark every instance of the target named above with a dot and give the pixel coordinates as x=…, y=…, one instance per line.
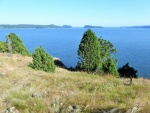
x=3, y=26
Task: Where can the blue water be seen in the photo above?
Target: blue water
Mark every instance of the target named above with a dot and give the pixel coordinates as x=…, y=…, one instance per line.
x=132, y=44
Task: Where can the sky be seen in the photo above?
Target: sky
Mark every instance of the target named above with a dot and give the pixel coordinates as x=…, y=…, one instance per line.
x=107, y=13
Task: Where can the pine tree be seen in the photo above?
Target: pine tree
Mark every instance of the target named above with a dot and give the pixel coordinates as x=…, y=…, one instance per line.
x=106, y=53
x=96, y=55
x=17, y=45
x=42, y=60
x=89, y=53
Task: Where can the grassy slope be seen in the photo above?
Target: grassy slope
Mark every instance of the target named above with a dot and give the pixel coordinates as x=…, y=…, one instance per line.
x=72, y=88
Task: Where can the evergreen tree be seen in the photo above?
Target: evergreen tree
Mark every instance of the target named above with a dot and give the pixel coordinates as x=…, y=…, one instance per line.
x=106, y=53
x=127, y=71
x=3, y=47
x=42, y=60
x=17, y=44
x=96, y=55
x=88, y=53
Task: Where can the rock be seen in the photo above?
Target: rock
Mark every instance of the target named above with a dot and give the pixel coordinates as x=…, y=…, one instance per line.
x=129, y=111
x=12, y=110
x=59, y=63
x=53, y=104
x=45, y=92
x=135, y=109
x=102, y=111
x=69, y=109
x=6, y=111
x=61, y=104
x=127, y=81
x=2, y=74
x=73, y=109
x=115, y=110
x=36, y=95
x=56, y=106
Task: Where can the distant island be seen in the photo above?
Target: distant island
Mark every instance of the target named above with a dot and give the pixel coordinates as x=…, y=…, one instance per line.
x=66, y=26
x=4, y=26
x=90, y=26
x=143, y=26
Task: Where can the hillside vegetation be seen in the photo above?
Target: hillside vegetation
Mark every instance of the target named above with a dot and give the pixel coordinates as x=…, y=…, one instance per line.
x=32, y=91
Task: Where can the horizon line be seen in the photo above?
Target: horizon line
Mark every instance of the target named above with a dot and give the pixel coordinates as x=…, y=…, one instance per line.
x=83, y=25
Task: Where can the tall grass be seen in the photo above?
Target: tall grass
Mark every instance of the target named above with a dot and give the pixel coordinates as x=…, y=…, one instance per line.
x=91, y=93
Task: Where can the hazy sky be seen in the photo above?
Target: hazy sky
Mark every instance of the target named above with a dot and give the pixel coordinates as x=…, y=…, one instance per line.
x=76, y=12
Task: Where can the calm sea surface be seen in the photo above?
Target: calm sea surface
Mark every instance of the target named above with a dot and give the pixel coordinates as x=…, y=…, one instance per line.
x=132, y=44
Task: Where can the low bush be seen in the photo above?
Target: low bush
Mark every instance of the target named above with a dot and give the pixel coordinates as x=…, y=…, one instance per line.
x=42, y=60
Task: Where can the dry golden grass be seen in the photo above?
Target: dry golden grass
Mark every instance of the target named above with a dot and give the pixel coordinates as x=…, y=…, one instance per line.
x=90, y=92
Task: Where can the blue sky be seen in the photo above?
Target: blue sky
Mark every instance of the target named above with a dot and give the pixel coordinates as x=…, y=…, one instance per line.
x=108, y=13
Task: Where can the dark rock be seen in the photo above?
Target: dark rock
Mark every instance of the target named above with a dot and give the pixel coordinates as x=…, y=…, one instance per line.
x=73, y=109
x=59, y=63
x=36, y=95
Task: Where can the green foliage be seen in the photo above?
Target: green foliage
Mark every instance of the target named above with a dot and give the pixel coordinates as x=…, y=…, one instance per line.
x=106, y=53
x=96, y=55
x=42, y=60
x=88, y=52
x=127, y=71
x=3, y=47
x=109, y=66
x=17, y=44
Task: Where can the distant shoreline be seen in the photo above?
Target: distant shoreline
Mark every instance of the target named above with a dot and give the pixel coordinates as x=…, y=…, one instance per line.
x=90, y=26
x=23, y=26
x=4, y=26
x=10, y=26
x=144, y=26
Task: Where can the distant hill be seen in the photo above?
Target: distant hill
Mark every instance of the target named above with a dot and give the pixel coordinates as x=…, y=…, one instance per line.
x=3, y=26
x=90, y=26
x=144, y=26
x=66, y=26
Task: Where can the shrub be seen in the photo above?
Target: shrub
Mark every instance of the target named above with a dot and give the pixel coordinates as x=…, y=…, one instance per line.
x=42, y=60
x=17, y=45
x=3, y=47
x=127, y=71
